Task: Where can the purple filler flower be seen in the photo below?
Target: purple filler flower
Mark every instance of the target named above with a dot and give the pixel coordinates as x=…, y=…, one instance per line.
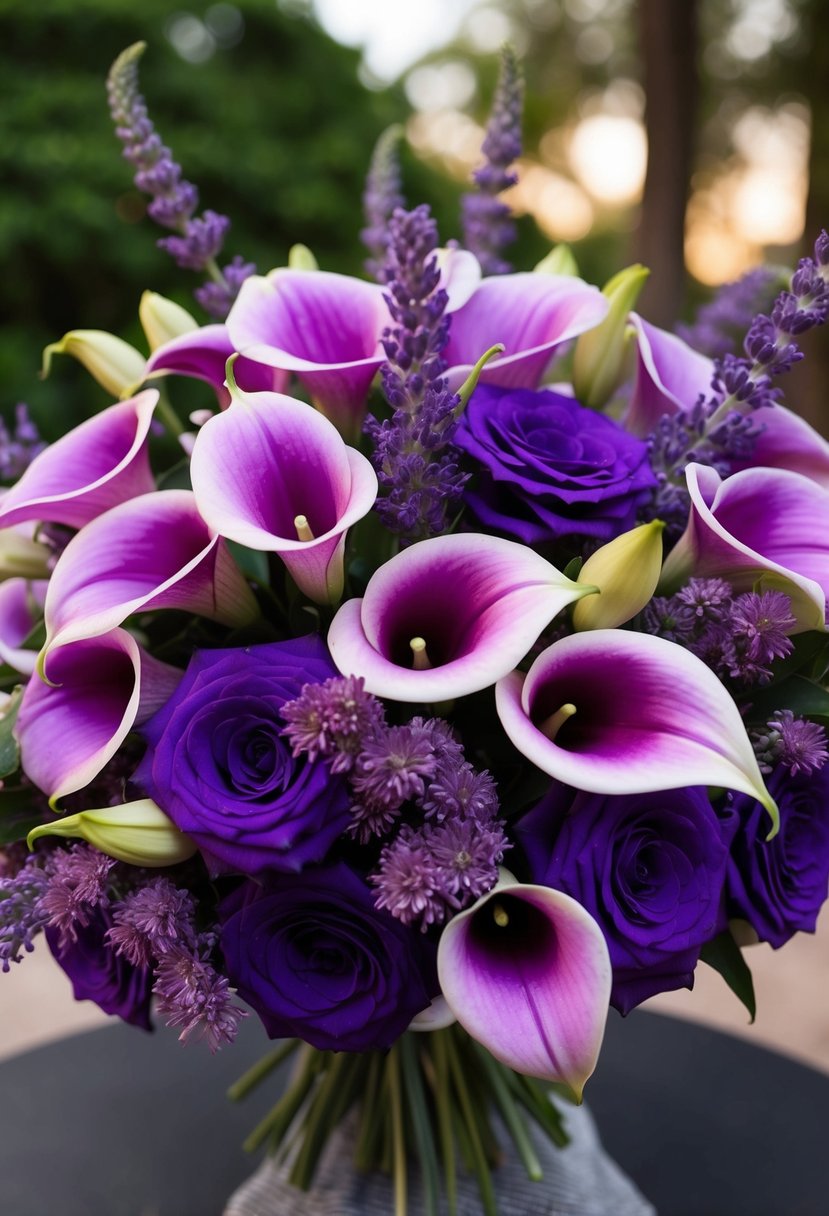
x=648, y=867
x=550, y=468
x=315, y=958
x=99, y=974
x=219, y=766
x=779, y=886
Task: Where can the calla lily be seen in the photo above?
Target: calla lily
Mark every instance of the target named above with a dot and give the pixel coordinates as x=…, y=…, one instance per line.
x=599, y=356
x=95, y=466
x=138, y=833
x=324, y=327
x=447, y=617
x=21, y=556
x=151, y=552
x=761, y=525
x=163, y=320
x=617, y=712
x=531, y=315
x=560, y=260
x=526, y=971
x=19, y=604
x=787, y=441
x=115, y=364
x=104, y=686
x=203, y=354
x=273, y=474
x=626, y=571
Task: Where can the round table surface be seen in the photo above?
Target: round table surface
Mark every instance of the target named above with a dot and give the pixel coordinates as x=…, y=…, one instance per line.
x=119, y=1123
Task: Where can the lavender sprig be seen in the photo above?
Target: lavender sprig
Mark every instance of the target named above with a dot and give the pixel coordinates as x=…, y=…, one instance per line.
x=21, y=914
x=416, y=464
x=487, y=224
x=720, y=324
x=381, y=197
x=18, y=447
x=718, y=429
x=199, y=239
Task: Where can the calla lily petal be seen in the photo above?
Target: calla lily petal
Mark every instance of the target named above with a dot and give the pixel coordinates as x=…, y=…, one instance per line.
x=19, y=600
x=112, y=362
x=670, y=375
x=475, y=603
x=163, y=320
x=787, y=442
x=460, y=275
x=269, y=461
x=138, y=833
x=526, y=971
x=760, y=525
x=324, y=327
x=167, y=557
x=95, y=466
x=531, y=315
x=203, y=354
x=103, y=687
x=617, y=712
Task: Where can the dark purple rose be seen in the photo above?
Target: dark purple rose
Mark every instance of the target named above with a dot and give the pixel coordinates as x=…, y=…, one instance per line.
x=217, y=762
x=779, y=885
x=315, y=959
x=648, y=867
x=550, y=468
x=99, y=974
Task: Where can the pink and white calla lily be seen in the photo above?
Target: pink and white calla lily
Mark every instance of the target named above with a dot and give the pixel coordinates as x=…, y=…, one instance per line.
x=526, y=972
x=21, y=603
x=203, y=355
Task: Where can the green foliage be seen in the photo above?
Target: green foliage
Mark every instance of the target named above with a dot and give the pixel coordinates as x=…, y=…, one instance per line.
x=276, y=131
x=726, y=957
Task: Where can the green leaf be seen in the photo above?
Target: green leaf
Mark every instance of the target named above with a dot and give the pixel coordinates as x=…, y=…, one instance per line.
x=573, y=568
x=802, y=696
x=726, y=957
x=18, y=816
x=176, y=478
x=251, y=562
x=9, y=747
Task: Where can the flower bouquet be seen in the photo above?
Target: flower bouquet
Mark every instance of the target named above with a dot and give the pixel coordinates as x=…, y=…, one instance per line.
x=463, y=679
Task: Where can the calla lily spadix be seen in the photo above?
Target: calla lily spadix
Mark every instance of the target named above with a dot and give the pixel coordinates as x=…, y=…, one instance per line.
x=138, y=833
x=324, y=327
x=526, y=971
x=19, y=600
x=273, y=474
x=617, y=712
x=766, y=526
x=203, y=354
x=167, y=557
x=92, y=468
x=448, y=617
x=531, y=315
x=103, y=687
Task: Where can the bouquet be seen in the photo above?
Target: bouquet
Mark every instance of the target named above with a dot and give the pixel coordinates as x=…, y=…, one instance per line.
x=455, y=672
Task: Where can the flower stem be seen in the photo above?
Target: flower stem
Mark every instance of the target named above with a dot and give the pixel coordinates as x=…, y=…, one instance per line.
x=261, y=1069
x=398, y=1138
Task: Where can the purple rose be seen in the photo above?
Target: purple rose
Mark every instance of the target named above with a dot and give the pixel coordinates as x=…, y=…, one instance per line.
x=550, y=468
x=648, y=867
x=99, y=974
x=217, y=762
x=316, y=959
x=779, y=885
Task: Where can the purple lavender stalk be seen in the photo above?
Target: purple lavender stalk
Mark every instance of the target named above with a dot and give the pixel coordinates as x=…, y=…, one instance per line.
x=381, y=197
x=199, y=239
x=487, y=226
x=720, y=324
x=18, y=446
x=718, y=429
x=416, y=463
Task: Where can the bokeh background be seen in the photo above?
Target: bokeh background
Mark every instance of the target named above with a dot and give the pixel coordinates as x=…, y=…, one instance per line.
x=692, y=135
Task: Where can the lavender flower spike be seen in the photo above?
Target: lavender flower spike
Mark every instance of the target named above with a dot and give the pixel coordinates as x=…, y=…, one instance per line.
x=487, y=227
x=767, y=525
x=381, y=196
x=273, y=474
x=617, y=712
x=448, y=616
x=526, y=971
x=199, y=240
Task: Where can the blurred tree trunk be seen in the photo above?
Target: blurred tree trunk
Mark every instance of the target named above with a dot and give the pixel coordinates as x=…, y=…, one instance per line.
x=668, y=39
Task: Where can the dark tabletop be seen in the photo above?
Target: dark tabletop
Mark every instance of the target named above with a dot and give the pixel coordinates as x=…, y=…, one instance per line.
x=119, y=1123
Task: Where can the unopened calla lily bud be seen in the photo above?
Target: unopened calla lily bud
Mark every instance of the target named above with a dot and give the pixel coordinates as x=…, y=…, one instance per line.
x=626, y=571
x=136, y=832
x=300, y=257
x=163, y=319
x=21, y=556
x=117, y=366
x=559, y=260
x=599, y=355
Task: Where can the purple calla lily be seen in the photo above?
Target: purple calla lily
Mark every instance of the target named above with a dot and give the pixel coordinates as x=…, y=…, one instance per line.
x=617, y=712
x=526, y=972
x=203, y=354
x=324, y=327
x=104, y=686
x=759, y=525
x=531, y=315
x=448, y=617
x=18, y=600
x=273, y=474
x=151, y=552
x=92, y=468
